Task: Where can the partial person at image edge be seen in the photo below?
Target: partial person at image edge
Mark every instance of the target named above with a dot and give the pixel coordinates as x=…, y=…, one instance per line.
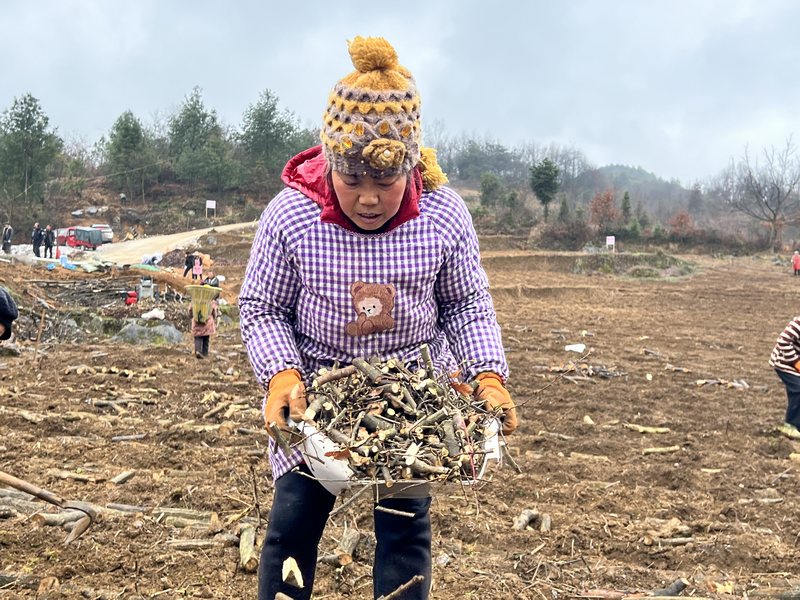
x=8, y=314
x=785, y=359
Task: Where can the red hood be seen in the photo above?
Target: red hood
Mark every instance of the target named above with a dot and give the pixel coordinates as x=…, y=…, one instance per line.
x=307, y=173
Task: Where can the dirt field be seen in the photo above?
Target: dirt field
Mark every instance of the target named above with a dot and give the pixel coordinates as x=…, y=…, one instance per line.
x=719, y=508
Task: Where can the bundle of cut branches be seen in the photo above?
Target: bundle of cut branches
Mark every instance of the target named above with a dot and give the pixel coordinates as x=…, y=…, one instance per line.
x=395, y=421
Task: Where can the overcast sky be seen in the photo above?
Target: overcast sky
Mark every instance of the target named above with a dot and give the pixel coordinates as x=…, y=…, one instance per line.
x=678, y=87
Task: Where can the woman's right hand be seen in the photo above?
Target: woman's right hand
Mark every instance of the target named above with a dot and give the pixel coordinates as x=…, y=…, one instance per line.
x=286, y=394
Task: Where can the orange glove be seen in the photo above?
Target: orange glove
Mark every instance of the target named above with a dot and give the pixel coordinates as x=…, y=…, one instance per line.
x=286, y=394
x=797, y=366
x=492, y=390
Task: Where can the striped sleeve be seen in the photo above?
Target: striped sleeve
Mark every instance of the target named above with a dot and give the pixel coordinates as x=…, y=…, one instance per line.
x=268, y=297
x=466, y=310
x=787, y=349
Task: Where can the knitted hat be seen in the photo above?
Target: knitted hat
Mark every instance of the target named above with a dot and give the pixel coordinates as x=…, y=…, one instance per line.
x=8, y=312
x=371, y=125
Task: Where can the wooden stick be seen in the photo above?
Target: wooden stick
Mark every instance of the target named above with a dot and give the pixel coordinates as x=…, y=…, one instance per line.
x=39, y=336
x=644, y=429
x=349, y=501
x=402, y=589
x=334, y=375
x=392, y=511
x=277, y=435
x=375, y=375
x=425, y=353
x=663, y=450
x=129, y=438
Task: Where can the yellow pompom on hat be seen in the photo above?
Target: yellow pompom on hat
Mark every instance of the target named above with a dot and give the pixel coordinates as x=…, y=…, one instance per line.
x=372, y=125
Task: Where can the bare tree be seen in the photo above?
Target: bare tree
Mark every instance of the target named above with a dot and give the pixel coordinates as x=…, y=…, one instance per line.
x=765, y=190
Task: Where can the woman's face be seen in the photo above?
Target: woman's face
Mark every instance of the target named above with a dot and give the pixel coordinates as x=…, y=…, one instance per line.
x=368, y=202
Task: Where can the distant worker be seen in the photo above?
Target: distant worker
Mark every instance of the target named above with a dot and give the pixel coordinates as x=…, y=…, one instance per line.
x=37, y=237
x=204, y=323
x=785, y=359
x=796, y=262
x=197, y=268
x=211, y=279
x=49, y=241
x=8, y=233
x=188, y=263
x=8, y=313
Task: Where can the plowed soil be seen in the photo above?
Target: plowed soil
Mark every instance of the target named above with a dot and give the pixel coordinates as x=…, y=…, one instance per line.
x=712, y=498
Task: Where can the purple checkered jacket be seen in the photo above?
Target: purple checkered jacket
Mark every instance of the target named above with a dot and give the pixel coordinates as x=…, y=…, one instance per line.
x=296, y=302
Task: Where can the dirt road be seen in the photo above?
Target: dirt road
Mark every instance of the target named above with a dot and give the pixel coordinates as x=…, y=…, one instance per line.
x=131, y=251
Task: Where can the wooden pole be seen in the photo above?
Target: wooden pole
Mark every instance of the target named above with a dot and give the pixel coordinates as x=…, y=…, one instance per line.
x=39, y=337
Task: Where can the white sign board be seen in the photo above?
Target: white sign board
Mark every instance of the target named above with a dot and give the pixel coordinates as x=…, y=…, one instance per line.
x=611, y=241
x=211, y=204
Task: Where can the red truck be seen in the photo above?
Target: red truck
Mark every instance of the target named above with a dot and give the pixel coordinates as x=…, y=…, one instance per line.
x=79, y=237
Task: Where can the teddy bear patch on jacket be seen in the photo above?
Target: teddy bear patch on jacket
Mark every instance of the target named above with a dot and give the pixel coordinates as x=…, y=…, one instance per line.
x=373, y=303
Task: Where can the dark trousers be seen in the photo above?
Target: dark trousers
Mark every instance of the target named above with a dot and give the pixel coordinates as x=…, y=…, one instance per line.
x=299, y=512
x=186, y=270
x=792, y=383
x=36, y=250
x=48, y=249
x=201, y=344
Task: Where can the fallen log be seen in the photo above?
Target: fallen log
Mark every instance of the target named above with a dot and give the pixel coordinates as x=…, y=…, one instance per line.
x=673, y=589
x=546, y=523
x=343, y=555
x=248, y=557
x=163, y=512
x=661, y=450
x=129, y=438
x=27, y=415
x=223, y=540
x=675, y=541
x=525, y=518
x=122, y=477
x=56, y=519
x=60, y=474
x=8, y=580
x=127, y=508
x=595, y=457
x=217, y=409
